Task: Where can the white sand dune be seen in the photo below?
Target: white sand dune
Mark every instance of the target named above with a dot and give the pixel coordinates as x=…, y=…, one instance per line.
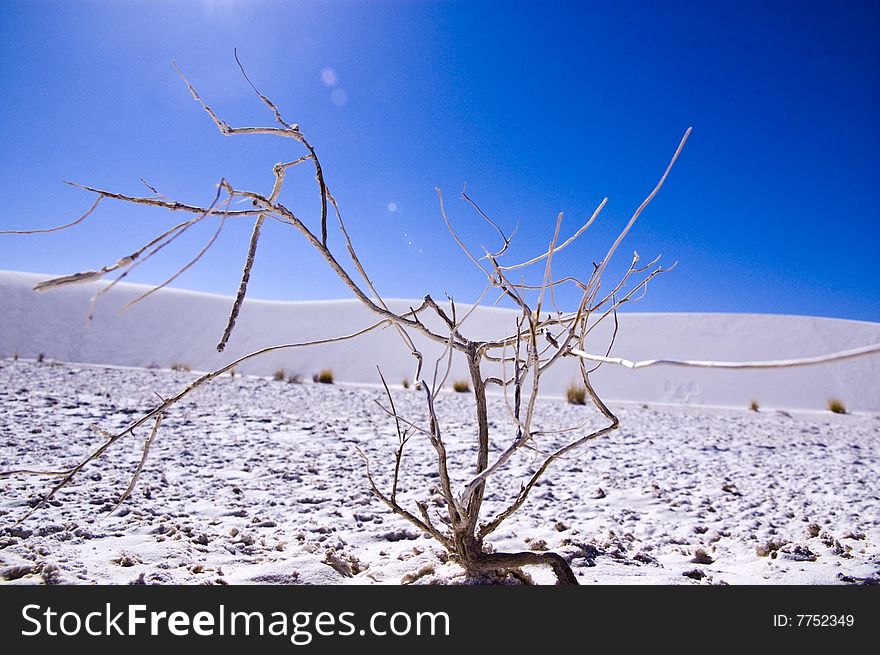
x=259, y=481
x=183, y=327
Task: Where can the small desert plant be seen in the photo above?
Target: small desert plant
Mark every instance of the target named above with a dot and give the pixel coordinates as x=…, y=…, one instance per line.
x=232, y=372
x=461, y=386
x=15, y=357
x=180, y=366
x=279, y=375
x=576, y=394
x=294, y=378
x=754, y=406
x=836, y=405
x=405, y=383
x=460, y=523
x=41, y=357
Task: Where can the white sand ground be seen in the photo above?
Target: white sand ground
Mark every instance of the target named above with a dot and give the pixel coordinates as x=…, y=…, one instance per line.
x=255, y=480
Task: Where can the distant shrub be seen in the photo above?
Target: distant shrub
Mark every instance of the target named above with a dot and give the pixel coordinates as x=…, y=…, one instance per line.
x=232, y=372
x=836, y=405
x=324, y=377
x=180, y=366
x=294, y=378
x=576, y=394
x=15, y=357
x=280, y=374
x=41, y=357
x=405, y=383
x=461, y=386
x=754, y=406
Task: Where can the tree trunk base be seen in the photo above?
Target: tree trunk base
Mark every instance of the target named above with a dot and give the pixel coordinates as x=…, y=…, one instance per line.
x=509, y=563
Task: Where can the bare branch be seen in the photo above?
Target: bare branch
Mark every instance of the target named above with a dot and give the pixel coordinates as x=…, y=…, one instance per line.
x=402, y=437
x=69, y=474
x=60, y=227
x=402, y=419
x=561, y=246
x=425, y=526
x=242, y=286
x=504, y=237
x=195, y=259
x=780, y=363
x=611, y=340
x=165, y=204
x=645, y=203
x=266, y=100
x=455, y=236
x=134, y=478
x=521, y=498
x=129, y=261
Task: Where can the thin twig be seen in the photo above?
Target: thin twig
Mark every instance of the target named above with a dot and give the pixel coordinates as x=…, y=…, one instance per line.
x=60, y=227
x=853, y=353
x=242, y=286
x=134, y=478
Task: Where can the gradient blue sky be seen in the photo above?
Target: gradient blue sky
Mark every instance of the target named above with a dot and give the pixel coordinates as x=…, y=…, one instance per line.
x=540, y=107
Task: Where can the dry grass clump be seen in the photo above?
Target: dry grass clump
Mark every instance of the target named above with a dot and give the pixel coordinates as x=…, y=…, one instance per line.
x=836, y=405
x=41, y=357
x=702, y=557
x=324, y=377
x=754, y=406
x=405, y=383
x=181, y=366
x=576, y=394
x=294, y=378
x=461, y=386
x=279, y=375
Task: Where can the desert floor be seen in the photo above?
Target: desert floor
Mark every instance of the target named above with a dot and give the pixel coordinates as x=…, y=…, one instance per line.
x=253, y=480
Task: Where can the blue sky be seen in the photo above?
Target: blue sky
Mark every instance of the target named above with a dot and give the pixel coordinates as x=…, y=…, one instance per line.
x=539, y=107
